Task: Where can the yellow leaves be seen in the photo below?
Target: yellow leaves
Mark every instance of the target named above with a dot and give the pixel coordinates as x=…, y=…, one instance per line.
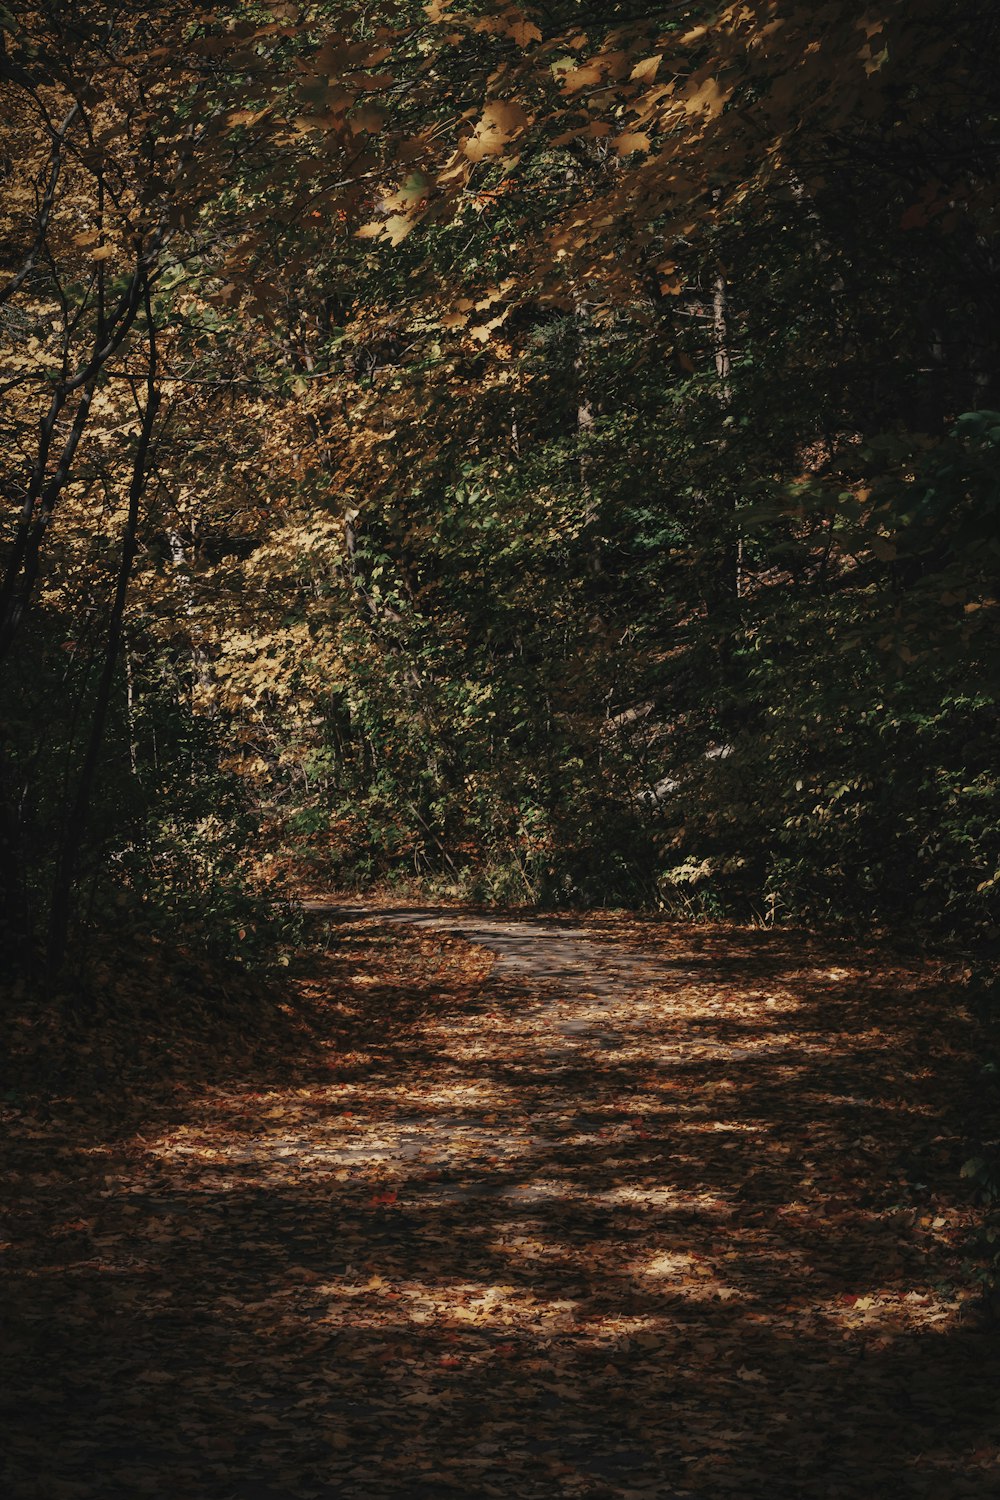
x=871, y=25
x=460, y=315
x=501, y=121
x=102, y=252
x=494, y=294
x=874, y=61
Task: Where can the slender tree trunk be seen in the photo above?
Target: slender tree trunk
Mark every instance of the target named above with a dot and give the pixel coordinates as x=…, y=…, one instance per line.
x=23, y=561
x=62, y=892
x=133, y=742
x=584, y=427
x=723, y=369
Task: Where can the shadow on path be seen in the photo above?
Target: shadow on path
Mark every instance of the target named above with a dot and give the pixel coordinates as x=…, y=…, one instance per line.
x=612, y=1225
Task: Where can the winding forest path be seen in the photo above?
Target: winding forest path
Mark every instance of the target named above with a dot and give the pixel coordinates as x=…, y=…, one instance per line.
x=622, y=1213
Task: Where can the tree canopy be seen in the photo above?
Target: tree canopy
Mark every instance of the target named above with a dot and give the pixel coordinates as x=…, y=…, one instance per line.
x=544, y=453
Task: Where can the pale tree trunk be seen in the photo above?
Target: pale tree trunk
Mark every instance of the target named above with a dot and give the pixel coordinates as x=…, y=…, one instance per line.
x=584, y=426
x=723, y=369
x=133, y=741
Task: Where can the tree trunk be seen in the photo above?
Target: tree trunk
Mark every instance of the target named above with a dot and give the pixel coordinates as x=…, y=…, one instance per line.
x=62, y=891
x=723, y=369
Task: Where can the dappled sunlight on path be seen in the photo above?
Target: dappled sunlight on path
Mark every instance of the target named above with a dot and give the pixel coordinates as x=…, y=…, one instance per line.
x=606, y=1225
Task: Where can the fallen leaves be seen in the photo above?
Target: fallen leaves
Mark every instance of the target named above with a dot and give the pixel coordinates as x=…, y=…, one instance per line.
x=418, y=1256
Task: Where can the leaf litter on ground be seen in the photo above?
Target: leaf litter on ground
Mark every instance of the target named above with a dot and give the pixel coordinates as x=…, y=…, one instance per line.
x=654, y=1210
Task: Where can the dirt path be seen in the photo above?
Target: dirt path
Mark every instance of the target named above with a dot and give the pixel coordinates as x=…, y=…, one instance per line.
x=580, y=988
x=685, y=1222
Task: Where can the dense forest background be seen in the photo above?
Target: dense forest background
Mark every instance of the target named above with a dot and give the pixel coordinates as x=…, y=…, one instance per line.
x=534, y=455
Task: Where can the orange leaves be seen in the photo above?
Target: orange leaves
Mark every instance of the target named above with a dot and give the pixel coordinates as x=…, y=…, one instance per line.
x=631, y=140
x=596, y=130
x=524, y=33
x=339, y=57
x=457, y=319
x=501, y=122
x=646, y=70
x=663, y=102
x=670, y=278
x=871, y=25
x=483, y=331
x=578, y=78
x=705, y=96
x=246, y=116
x=89, y=240
x=510, y=22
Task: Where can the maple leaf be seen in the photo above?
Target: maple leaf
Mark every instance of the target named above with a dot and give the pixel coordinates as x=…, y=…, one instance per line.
x=646, y=70
x=631, y=140
x=706, y=97
x=577, y=78
x=500, y=122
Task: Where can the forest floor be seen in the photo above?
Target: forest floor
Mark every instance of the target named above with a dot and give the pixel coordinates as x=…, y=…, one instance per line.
x=517, y=1208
